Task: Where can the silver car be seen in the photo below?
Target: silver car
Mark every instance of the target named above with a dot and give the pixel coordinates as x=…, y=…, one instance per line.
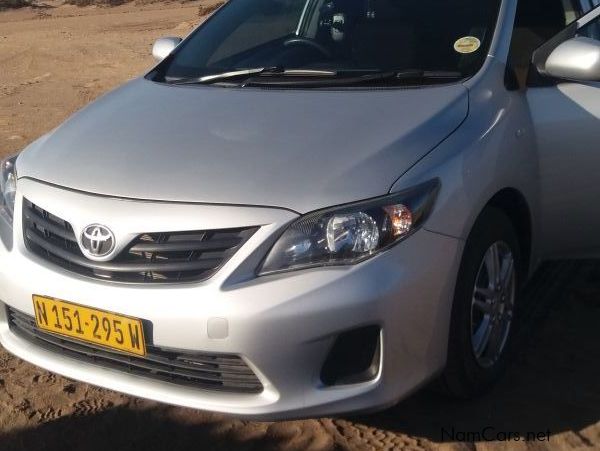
x=309, y=207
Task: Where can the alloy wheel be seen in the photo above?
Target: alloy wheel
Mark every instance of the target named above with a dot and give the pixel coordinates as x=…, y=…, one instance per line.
x=492, y=304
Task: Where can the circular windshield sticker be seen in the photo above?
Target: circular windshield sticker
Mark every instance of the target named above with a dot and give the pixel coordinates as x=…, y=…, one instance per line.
x=468, y=44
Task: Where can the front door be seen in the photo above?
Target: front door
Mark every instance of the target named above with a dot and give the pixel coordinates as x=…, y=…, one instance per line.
x=566, y=120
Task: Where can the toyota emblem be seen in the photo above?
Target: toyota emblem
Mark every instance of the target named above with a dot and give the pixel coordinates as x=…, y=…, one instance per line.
x=97, y=241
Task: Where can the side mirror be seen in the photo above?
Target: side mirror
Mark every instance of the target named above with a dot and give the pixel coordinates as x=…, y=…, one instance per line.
x=163, y=47
x=576, y=59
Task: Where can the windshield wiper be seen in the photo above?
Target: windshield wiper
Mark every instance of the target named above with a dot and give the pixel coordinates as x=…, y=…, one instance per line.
x=416, y=74
x=246, y=73
x=342, y=78
x=214, y=78
x=276, y=76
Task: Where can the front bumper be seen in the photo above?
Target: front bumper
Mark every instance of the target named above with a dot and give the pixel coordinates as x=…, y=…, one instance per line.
x=282, y=325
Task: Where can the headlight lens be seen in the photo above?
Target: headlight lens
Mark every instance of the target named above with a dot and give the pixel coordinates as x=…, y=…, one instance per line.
x=351, y=233
x=8, y=186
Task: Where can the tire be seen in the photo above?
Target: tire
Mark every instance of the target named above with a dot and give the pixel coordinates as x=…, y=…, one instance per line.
x=472, y=369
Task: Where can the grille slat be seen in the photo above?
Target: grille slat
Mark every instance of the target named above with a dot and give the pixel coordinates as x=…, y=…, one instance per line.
x=205, y=371
x=182, y=266
x=59, y=230
x=149, y=258
x=183, y=246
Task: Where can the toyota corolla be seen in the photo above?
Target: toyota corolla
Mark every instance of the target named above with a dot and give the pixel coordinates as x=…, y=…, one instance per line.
x=309, y=207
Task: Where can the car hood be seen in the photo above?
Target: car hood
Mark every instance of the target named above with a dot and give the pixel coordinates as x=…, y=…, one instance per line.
x=297, y=149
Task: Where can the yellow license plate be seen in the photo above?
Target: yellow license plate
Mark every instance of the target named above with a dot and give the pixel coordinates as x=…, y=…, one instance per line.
x=110, y=330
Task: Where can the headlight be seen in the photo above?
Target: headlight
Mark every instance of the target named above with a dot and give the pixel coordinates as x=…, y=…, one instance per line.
x=8, y=186
x=351, y=233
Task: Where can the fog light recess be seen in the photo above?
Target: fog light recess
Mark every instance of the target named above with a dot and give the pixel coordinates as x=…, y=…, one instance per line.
x=354, y=357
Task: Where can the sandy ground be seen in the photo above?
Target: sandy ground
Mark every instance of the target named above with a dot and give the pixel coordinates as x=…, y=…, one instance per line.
x=53, y=61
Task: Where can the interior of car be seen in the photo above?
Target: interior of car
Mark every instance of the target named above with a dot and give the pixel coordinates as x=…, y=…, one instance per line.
x=536, y=22
x=347, y=34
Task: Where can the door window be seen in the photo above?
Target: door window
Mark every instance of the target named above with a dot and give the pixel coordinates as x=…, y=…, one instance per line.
x=591, y=30
x=536, y=22
x=572, y=11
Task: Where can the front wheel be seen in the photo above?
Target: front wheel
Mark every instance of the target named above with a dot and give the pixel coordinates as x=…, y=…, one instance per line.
x=483, y=312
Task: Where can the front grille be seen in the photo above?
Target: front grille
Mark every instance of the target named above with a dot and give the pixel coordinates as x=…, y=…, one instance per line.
x=149, y=258
x=220, y=372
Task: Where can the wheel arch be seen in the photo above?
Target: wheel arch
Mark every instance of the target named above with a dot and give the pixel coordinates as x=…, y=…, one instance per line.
x=515, y=206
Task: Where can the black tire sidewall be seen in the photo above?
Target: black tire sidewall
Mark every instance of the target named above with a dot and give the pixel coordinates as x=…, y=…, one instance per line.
x=463, y=376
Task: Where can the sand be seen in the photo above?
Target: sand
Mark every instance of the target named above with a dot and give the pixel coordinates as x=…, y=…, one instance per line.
x=56, y=59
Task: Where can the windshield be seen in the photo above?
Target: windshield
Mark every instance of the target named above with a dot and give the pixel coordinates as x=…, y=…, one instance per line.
x=335, y=38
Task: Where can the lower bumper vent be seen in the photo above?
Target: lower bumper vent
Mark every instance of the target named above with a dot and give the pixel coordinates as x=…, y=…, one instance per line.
x=221, y=372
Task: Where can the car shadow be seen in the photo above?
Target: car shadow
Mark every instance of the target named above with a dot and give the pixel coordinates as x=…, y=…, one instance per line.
x=552, y=386
x=552, y=383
